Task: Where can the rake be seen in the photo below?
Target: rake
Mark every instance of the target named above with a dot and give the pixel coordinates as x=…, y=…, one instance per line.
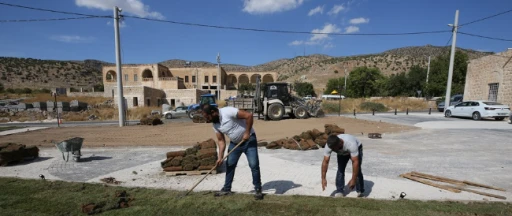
x=195, y=185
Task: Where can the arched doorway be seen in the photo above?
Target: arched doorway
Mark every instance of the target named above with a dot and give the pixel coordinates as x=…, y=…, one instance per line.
x=111, y=76
x=243, y=79
x=147, y=75
x=253, y=78
x=232, y=81
x=268, y=78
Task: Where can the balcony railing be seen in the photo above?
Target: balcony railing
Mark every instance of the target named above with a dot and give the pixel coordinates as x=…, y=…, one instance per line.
x=147, y=79
x=167, y=78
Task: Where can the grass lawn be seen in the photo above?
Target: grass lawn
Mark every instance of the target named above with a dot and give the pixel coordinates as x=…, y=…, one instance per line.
x=9, y=128
x=39, y=197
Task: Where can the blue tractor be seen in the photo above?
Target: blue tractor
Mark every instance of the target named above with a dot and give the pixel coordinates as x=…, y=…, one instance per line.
x=195, y=109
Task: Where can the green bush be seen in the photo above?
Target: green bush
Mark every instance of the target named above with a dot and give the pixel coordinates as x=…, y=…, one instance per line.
x=330, y=107
x=369, y=106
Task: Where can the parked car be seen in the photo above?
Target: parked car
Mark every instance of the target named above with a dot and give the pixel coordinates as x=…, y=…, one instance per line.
x=178, y=112
x=479, y=109
x=453, y=101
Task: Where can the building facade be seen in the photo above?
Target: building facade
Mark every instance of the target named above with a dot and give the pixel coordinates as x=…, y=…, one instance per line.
x=155, y=84
x=490, y=78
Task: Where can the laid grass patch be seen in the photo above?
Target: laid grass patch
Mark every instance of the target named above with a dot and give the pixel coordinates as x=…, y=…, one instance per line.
x=38, y=197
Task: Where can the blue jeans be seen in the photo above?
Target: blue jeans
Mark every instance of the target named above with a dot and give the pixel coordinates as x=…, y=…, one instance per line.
x=250, y=149
x=340, y=175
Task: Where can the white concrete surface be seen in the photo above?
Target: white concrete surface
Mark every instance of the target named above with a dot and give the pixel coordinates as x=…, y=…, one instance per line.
x=22, y=130
x=465, y=124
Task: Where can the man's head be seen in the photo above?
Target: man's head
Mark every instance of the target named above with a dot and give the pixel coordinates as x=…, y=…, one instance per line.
x=210, y=113
x=334, y=142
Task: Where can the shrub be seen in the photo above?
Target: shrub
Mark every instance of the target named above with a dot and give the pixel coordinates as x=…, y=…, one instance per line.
x=373, y=106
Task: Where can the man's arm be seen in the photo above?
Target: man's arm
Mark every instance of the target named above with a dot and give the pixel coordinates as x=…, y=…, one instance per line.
x=222, y=147
x=325, y=165
x=355, y=171
x=248, y=122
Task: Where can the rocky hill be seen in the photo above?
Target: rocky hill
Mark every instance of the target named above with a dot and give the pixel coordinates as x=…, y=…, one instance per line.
x=317, y=69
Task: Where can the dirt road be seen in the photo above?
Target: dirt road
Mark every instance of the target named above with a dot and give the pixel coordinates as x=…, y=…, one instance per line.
x=188, y=133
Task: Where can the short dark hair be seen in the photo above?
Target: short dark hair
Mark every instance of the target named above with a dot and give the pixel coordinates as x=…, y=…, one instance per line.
x=333, y=141
x=207, y=108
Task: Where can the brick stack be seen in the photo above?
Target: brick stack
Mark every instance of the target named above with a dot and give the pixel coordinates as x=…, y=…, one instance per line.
x=201, y=156
x=308, y=140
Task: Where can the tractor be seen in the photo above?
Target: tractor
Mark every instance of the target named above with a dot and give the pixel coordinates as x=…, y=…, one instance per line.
x=195, y=109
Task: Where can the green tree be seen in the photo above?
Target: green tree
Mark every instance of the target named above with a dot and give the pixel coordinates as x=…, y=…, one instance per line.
x=99, y=87
x=364, y=82
x=439, y=74
x=304, y=89
x=334, y=84
x=397, y=85
x=416, y=80
x=1, y=87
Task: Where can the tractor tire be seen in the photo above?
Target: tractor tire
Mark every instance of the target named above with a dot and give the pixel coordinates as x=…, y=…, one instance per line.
x=275, y=111
x=168, y=116
x=301, y=112
x=191, y=114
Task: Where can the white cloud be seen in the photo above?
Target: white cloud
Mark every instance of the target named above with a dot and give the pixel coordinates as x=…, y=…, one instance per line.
x=317, y=10
x=270, y=6
x=296, y=43
x=329, y=46
x=336, y=9
x=72, y=38
x=135, y=7
x=360, y=20
x=328, y=28
x=351, y=29
x=319, y=39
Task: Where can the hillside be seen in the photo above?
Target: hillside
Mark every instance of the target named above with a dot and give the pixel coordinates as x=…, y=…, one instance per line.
x=317, y=69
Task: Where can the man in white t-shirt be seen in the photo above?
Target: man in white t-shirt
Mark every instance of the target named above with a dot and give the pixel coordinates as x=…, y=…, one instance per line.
x=237, y=125
x=347, y=148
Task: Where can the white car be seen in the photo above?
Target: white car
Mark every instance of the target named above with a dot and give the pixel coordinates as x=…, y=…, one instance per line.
x=178, y=112
x=479, y=109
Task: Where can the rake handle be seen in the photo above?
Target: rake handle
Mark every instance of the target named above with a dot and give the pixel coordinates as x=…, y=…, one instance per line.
x=191, y=189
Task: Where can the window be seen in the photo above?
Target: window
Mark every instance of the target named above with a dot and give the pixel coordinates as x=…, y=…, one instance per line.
x=148, y=102
x=158, y=102
x=206, y=79
x=135, y=101
x=126, y=77
x=493, y=91
x=475, y=104
x=492, y=103
x=186, y=79
x=207, y=100
x=193, y=79
x=214, y=79
x=135, y=78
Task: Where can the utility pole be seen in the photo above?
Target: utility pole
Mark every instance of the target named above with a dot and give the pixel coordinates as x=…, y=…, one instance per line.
x=118, y=66
x=428, y=68
x=219, y=77
x=345, y=86
x=452, y=58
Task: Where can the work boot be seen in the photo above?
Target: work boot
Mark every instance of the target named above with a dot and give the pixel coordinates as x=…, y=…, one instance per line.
x=258, y=195
x=222, y=192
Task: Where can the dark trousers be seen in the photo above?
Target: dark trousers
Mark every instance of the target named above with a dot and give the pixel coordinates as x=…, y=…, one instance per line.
x=340, y=175
x=250, y=149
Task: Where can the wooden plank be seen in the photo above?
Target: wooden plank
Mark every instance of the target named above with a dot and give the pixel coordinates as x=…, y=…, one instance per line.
x=454, y=181
x=194, y=172
x=444, y=187
x=479, y=192
x=437, y=179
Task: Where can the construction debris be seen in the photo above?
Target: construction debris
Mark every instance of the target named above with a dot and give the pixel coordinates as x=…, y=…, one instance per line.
x=307, y=140
x=151, y=121
x=452, y=185
x=111, y=180
x=121, y=199
x=374, y=135
x=12, y=152
x=199, y=157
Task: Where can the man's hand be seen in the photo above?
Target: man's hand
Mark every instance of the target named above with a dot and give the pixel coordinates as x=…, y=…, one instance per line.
x=246, y=136
x=351, y=184
x=219, y=162
x=324, y=184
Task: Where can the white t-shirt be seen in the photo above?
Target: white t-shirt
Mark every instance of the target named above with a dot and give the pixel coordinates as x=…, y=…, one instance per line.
x=230, y=125
x=350, y=146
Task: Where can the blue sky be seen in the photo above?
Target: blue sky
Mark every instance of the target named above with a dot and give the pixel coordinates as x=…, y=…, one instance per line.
x=150, y=42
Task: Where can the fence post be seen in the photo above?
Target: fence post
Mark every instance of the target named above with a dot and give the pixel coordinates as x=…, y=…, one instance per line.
x=429, y=110
x=395, y=111
x=373, y=111
x=407, y=112
x=354, y=112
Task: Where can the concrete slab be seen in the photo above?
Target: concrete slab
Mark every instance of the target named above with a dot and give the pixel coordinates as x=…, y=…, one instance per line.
x=22, y=130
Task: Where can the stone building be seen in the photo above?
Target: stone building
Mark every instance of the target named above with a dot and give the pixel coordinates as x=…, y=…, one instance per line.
x=155, y=84
x=490, y=78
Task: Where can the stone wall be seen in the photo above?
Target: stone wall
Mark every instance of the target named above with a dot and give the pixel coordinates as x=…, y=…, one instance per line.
x=86, y=94
x=486, y=70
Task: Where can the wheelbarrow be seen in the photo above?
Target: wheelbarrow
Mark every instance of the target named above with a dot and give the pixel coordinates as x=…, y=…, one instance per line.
x=73, y=145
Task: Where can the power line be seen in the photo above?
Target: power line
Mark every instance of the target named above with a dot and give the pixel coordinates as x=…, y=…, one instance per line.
x=45, y=20
x=49, y=10
x=482, y=19
x=449, y=40
x=286, y=31
x=486, y=37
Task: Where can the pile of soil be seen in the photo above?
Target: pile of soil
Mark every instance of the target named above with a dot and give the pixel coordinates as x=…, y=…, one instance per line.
x=153, y=120
x=121, y=199
x=307, y=140
x=201, y=156
x=12, y=152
